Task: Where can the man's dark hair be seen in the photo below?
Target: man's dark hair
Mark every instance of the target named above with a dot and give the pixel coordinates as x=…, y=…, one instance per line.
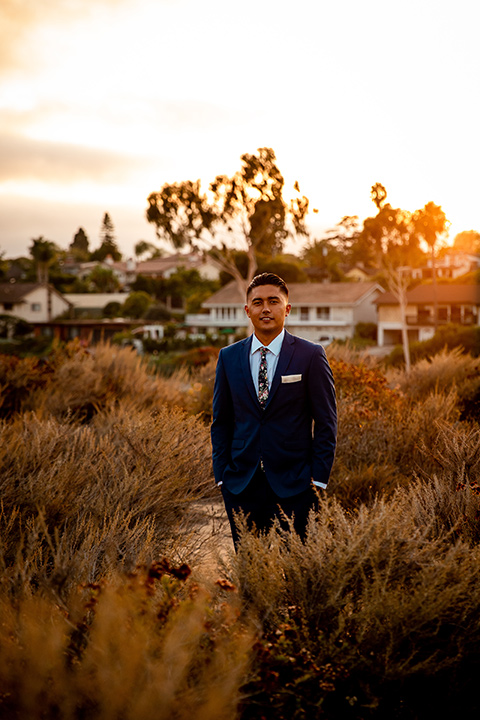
x=268, y=278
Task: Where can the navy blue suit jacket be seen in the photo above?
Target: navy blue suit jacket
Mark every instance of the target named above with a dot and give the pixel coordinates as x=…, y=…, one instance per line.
x=295, y=435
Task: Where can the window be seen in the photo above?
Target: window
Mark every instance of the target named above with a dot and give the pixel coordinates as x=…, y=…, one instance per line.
x=35, y=307
x=8, y=306
x=323, y=313
x=304, y=312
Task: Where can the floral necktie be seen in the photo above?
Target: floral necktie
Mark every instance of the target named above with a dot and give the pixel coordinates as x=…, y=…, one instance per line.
x=262, y=378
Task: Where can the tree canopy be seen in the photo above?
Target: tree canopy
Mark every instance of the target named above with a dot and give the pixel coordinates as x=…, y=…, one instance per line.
x=108, y=243
x=248, y=207
x=79, y=245
x=44, y=253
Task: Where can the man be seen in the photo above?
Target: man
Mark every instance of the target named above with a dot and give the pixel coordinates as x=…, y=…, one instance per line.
x=274, y=417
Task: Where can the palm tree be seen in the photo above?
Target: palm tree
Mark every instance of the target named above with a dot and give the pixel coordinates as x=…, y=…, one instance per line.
x=44, y=253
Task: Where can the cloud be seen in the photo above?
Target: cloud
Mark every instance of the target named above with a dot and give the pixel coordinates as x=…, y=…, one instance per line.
x=27, y=159
x=20, y=19
x=24, y=218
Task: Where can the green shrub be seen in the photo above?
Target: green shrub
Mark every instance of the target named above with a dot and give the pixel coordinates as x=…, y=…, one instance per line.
x=447, y=337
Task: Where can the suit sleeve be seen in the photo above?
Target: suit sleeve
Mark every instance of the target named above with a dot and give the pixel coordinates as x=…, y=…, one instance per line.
x=221, y=430
x=324, y=412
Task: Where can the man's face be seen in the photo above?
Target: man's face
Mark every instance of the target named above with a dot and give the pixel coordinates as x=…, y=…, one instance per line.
x=267, y=307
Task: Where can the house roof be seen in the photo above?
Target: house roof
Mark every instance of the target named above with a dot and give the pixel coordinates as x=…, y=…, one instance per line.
x=161, y=265
x=16, y=292
x=450, y=293
x=302, y=294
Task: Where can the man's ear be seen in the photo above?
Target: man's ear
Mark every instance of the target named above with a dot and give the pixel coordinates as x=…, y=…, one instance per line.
x=247, y=311
x=288, y=307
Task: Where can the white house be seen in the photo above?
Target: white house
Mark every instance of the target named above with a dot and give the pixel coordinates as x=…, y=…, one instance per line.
x=458, y=304
x=164, y=267
x=452, y=265
x=91, y=303
x=33, y=302
x=318, y=310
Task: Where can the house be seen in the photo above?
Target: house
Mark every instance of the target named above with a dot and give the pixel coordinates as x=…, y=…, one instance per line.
x=33, y=302
x=92, y=304
x=87, y=331
x=124, y=271
x=127, y=271
x=164, y=267
x=459, y=304
x=318, y=310
x=451, y=266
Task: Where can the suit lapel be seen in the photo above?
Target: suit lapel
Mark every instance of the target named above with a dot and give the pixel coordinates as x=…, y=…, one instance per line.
x=286, y=353
x=247, y=373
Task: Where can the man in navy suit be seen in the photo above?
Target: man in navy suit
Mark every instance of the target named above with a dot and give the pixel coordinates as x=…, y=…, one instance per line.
x=274, y=417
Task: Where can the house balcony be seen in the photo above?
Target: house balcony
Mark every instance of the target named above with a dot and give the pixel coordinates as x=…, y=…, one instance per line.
x=210, y=321
x=241, y=321
x=428, y=320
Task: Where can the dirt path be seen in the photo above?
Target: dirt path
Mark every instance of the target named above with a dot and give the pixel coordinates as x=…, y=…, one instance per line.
x=212, y=536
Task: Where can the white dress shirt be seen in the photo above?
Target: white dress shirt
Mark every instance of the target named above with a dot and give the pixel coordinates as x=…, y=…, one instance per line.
x=273, y=353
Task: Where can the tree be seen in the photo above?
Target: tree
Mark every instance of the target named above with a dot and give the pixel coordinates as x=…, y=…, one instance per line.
x=112, y=309
x=343, y=237
x=108, y=244
x=322, y=258
x=142, y=247
x=391, y=242
x=3, y=265
x=467, y=241
x=431, y=225
x=398, y=282
x=44, y=253
x=389, y=235
x=378, y=194
x=136, y=304
x=158, y=313
x=248, y=207
x=103, y=280
x=79, y=245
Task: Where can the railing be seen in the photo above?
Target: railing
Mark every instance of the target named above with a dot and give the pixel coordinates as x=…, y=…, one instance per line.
x=429, y=320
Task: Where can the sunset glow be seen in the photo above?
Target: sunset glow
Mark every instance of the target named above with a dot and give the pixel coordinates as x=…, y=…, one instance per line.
x=103, y=102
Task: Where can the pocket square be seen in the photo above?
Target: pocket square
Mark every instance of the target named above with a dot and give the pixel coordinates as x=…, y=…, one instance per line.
x=291, y=378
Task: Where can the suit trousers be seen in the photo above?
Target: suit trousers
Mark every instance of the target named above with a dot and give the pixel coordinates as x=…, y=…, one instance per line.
x=261, y=506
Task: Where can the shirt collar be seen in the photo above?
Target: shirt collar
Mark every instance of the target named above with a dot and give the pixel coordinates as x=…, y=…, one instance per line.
x=274, y=347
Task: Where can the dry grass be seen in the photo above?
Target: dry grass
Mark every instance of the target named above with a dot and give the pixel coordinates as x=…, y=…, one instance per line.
x=119, y=490
x=105, y=469
x=134, y=647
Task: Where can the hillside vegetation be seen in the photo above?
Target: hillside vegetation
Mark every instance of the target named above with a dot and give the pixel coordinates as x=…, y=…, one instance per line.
x=108, y=609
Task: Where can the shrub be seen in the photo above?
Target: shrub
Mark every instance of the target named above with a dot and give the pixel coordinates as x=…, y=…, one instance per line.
x=371, y=608
x=84, y=383
x=148, y=645
x=447, y=337
x=366, y=331
x=19, y=378
x=449, y=370
x=81, y=501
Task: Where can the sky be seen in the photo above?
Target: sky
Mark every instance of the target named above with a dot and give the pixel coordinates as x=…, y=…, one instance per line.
x=104, y=101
